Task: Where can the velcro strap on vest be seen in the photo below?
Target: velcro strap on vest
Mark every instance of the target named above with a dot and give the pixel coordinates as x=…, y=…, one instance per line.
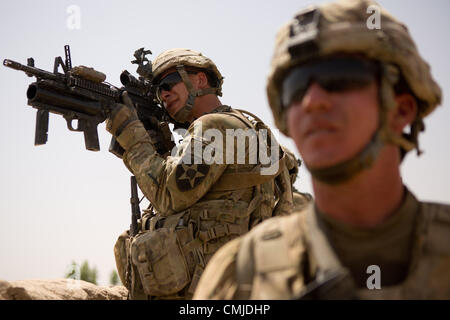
x=221, y=210
x=194, y=244
x=221, y=231
x=211, y=247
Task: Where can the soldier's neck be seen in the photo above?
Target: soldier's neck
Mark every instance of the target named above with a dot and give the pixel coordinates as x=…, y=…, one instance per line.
x=367, y=199
x=205, y=104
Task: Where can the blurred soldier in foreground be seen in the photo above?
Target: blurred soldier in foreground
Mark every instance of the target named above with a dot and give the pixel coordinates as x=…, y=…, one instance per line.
x=345, y=94
x=200, y=198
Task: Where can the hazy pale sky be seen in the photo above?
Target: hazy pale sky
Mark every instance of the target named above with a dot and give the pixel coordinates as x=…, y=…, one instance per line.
x=60, y=202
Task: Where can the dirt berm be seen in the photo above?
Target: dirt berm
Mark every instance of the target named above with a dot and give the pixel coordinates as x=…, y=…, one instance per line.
x=59, y=289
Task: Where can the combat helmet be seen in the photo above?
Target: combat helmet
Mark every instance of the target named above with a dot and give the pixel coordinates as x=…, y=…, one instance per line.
x=181, y=59
x=343, y=27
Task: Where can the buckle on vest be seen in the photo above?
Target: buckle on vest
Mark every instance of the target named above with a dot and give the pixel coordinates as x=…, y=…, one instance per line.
x=160, y=223
x=214, y=232
x=225, y=217
x=204, y=214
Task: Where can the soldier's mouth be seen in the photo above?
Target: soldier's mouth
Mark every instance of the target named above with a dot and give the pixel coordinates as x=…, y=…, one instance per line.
x=319, y=128
x=319, y=131
x=170, y=105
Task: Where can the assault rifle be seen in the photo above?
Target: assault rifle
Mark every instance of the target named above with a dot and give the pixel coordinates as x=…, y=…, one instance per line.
x=82, y=94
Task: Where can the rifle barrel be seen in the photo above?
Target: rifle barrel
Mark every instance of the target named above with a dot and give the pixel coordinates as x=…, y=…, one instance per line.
x=39, y=73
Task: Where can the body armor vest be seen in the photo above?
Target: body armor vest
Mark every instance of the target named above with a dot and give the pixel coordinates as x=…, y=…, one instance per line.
x=291, y=258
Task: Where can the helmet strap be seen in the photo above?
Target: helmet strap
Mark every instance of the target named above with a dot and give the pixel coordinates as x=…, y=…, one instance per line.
x=389, y=77
x=346, y=170
x=185, y=113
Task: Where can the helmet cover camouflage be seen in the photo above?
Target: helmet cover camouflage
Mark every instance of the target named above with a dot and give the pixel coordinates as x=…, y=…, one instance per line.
x=341, y=27
x=172, y=58
x=178, y=59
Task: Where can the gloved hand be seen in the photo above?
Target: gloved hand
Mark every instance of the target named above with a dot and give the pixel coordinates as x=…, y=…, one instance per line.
x=155, y=136
x=124, y=124
x=160, y=142
x=121, y=116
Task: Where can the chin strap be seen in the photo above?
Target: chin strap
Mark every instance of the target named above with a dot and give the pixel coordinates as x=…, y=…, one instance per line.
x=185, y=113
x=389, y=77
x=346, y=170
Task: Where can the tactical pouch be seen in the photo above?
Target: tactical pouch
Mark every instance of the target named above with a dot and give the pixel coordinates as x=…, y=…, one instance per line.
x=160, y=261
x=120, y=254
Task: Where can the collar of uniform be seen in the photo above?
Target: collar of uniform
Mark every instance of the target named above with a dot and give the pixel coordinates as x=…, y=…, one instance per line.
x=408, y=207
x=222, y=108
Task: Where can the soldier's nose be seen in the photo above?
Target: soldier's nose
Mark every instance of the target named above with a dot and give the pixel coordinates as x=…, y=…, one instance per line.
x=316, y=98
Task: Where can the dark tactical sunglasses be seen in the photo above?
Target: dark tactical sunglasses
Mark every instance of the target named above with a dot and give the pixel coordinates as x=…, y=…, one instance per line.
x=169, y=81
x=333, y=75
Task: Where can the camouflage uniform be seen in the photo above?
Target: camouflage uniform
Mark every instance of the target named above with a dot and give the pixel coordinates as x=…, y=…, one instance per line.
x=197, y=206
x=310, y=255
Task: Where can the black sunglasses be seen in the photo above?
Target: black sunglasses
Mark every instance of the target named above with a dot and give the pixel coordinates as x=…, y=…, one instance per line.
x=333, y=75
x=169, y=81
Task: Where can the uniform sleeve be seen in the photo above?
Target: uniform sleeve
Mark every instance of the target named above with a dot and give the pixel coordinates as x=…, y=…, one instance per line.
x=179, y=181
x=218, y=281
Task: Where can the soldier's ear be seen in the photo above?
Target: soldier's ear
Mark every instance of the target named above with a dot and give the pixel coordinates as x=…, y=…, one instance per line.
x=202, y=80
x=404, y=113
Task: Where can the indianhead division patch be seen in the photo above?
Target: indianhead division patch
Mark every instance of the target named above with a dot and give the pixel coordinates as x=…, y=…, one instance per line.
x=189, y=176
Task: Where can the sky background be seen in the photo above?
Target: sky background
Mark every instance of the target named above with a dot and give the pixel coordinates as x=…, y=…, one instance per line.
x=60, y=202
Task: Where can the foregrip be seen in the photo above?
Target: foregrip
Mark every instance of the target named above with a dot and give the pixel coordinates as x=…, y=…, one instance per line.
x=41, y=133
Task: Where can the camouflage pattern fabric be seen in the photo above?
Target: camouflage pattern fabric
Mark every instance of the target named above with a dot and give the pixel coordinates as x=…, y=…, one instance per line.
x=284, y=257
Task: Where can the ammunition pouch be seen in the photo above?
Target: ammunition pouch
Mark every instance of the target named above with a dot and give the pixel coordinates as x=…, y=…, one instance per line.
x=128, y=272
x=167, y=257
x=121, y=256
x=163, y=257
x=160, y=262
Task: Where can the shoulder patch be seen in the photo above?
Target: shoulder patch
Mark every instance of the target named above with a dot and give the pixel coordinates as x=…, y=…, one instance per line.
x=189, y=176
